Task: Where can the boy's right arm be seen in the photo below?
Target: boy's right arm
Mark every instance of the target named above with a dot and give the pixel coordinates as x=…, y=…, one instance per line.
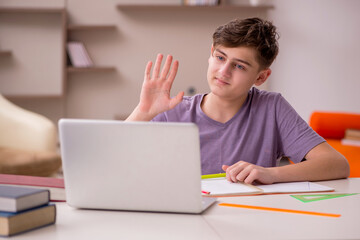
x=155, y=93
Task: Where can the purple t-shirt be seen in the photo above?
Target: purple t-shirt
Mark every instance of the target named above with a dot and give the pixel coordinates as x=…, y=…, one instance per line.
x=264, y=129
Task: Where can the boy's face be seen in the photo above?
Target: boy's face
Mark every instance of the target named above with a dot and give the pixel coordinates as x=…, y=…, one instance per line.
x=233, y=71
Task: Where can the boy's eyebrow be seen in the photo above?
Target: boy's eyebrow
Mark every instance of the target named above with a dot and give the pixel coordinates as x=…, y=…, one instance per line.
x=236, y=59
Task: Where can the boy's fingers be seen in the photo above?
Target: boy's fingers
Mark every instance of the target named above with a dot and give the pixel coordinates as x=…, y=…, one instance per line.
x=227, y=168
x=166, y=68
x=156, y=71
x=147, y=70
x=176, y=100
x=242, y=175
x=173, y=72
x=250, y=178
x=235, y=173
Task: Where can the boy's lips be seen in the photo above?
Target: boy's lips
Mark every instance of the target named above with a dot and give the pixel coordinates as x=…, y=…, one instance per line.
x=221, y=82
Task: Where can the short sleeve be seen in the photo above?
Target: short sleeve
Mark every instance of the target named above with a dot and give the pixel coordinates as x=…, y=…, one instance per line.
x=296, y=137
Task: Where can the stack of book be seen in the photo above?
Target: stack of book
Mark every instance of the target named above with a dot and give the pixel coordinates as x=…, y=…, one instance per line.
x=78, y=55
x=201, y=2
x=23, y=209
x=56, y=186
x=352, y=137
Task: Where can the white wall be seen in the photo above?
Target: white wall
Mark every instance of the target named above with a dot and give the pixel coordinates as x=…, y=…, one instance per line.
x=315, y=70
x=140, y=34
x=319, y=60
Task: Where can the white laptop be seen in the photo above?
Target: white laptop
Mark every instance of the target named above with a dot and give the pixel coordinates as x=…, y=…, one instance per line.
x=136, y=166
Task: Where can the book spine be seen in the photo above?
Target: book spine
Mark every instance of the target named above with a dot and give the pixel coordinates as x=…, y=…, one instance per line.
x=31, y=181
x=353, y=138
x=201, y=2
x=353, y=134
x=350, y=142
x=27, y=220
x=78, y=55
x=86, y=57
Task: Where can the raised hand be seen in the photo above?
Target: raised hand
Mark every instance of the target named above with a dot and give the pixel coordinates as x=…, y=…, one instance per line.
x=155, y=94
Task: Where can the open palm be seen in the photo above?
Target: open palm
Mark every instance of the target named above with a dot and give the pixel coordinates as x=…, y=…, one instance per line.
x=155, y=94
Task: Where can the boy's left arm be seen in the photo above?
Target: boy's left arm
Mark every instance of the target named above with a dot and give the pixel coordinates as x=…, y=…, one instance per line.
x=322, y=163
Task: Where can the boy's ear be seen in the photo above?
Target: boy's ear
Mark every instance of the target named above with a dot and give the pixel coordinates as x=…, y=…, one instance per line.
x=263, y=76
x=211, y=53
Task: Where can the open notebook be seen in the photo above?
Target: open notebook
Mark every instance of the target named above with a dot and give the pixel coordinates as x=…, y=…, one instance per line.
x=222, y=187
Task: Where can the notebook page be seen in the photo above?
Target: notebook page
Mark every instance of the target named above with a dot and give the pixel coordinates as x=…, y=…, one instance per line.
x=220, y=186
x=294, y=187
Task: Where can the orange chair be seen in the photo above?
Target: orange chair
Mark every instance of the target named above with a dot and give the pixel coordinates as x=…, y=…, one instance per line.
x=332, y=126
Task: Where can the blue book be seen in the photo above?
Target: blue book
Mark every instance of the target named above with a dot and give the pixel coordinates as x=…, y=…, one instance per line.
x=15, y=199
x=15, y=223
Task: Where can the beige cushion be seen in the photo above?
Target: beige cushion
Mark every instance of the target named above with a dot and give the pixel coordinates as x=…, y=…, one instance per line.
x=23, y=129
x=25, y=162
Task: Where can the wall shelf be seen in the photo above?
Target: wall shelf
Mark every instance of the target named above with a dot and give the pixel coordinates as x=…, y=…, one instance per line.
x=79, y=27
x=90, y=69
x=5, y=53
x=42, y=24
x=189, y=7
x=32, y=10
x=25, y=97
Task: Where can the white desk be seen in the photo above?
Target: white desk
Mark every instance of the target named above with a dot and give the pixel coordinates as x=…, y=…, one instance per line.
x=217, y=222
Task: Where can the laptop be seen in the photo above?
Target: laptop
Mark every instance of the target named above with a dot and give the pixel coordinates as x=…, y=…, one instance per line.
x=135, y=166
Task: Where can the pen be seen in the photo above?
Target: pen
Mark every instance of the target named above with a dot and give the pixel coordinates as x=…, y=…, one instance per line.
x=216, y=175
x=205, y=192
x=280, y=210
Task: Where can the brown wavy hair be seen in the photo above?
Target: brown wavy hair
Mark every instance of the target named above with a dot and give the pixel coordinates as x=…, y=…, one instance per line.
x=251, y=32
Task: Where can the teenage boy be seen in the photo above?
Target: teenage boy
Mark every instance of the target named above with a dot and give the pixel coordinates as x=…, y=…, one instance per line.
x=243, y=131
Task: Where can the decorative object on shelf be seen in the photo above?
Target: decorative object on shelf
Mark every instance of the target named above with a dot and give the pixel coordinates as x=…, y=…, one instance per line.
x=78, y=55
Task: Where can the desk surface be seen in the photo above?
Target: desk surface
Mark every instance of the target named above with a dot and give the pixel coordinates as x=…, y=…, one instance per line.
x=217, y=222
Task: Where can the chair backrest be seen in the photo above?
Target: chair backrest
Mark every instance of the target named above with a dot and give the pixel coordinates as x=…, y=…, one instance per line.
x=333, y=124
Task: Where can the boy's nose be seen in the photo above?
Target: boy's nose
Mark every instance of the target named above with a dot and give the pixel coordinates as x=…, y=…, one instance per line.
x=225, y=70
